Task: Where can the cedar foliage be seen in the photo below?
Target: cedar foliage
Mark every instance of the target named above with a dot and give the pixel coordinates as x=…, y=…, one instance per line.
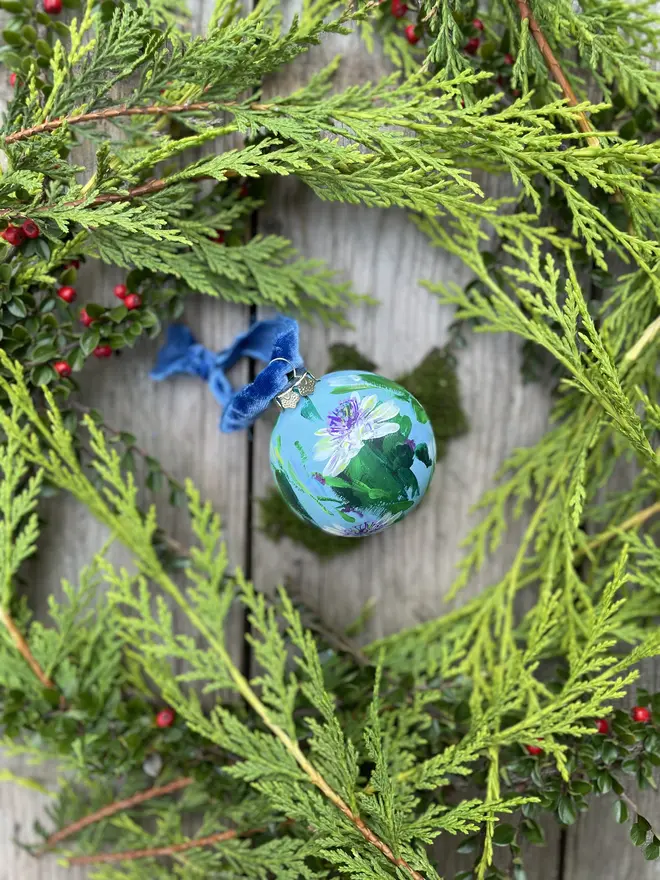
x=332, y=760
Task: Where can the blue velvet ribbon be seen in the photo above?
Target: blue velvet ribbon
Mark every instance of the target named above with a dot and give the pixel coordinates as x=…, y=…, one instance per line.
x=264, y=341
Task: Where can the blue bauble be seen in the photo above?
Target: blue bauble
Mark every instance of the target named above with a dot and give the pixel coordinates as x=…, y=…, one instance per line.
x=355, y=456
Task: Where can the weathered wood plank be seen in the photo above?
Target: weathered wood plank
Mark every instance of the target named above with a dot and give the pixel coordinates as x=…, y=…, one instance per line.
x=407, y=569
x=177, y=423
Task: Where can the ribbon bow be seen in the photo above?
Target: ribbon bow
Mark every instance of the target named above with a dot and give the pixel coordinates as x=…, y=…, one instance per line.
x=274, y=341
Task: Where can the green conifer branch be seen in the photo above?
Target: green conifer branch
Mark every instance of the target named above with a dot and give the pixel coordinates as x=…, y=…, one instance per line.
x=61, y=466
x=119, y=806
x=114, y=113
x=555, y=68
x=24, y=649
x=154, y=852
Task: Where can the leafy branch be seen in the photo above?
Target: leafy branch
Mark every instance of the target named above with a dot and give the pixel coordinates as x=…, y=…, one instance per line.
x=171, y=849
x=116, y=112
x=126, y=522
x=555, y=68
x=24, y=649
x=115, y=807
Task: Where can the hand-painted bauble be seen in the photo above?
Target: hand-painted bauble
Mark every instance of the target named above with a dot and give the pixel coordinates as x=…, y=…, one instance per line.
x=354, y=456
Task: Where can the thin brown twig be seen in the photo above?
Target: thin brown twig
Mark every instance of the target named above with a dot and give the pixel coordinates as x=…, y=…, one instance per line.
x=154, y=852
x=341, y=805
x=555, y=69
x=24, y=649
x=110, y=809
x=145, y=189
x=122, y=110
x=637, y=519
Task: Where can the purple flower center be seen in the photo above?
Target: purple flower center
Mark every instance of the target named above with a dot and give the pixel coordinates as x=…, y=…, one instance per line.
x=367, y=528
x=344, y=418
x=410, y=444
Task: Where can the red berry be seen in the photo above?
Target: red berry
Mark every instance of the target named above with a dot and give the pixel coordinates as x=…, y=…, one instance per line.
x=472, y=45
x=102, y=351
x=398, y=8
x=68, y=294
x=534, y=750
x=477, y=24
x=53, y=7
x=12, y=79
x=220, y=237
x=62, y=368
x=411, y=34
x=515, y=93
x=30, y=229
x=641, y=713
x=14, y=235
x=509, y=59
x=602, y=725
x=74, y=264
x=120, y=291
x=243, y=191
x=133, y=301
x=85, y=318
x=165, y=718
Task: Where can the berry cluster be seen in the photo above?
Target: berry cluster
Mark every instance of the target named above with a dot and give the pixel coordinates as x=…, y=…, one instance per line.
x=638, y=713
x=474, y=43
x=16, y=235
x=412, y=33
x=130, y=300
x=68, y=295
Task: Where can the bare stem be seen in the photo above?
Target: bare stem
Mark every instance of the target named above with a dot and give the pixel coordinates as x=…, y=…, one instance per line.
x=116, y=807
x=637, y=519
x=555, y=69
x=631, y=803
x=647, y=336
x=24, y=649
x=130, y=855
x=145, y=189
x=122, y=110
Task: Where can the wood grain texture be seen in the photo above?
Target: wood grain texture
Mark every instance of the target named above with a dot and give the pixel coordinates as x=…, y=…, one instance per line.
x=175, y=421
x=408, y=569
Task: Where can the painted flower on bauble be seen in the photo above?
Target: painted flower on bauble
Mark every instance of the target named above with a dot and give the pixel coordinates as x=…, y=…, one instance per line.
x=360, y=530
x=350, y=426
